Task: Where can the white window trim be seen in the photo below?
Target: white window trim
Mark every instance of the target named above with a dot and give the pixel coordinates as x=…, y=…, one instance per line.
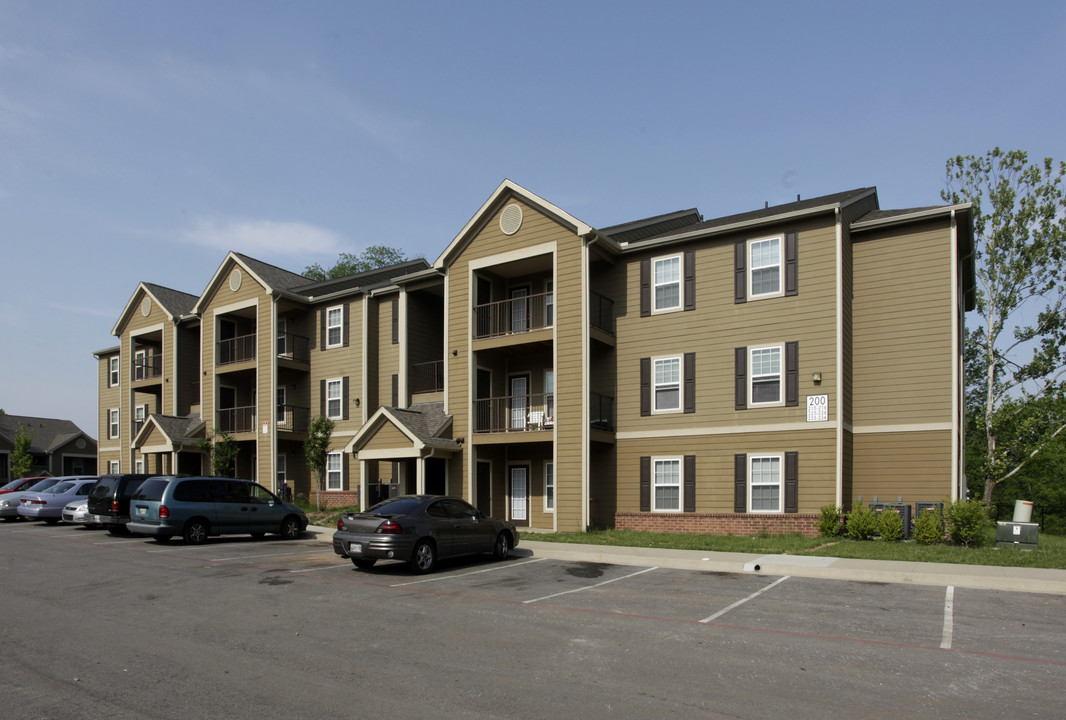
x=138, y=466
x=113, y=371
x=140, y=357
x=655, y=409
x=549, y=482
x=282, y=340
x=339, y=472
x=340, y=398
x=282, y=468
x=549, y=302
x=655, y=309
x=339, y=326
x=655, y=462
x=780, y=377
x=113, y=423
x=284, y=393
x=780, y=457
x=113, y=467
x=780, y=265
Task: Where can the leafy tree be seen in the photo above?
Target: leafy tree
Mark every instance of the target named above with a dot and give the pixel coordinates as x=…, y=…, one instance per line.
x=374, y=257
x=21, y=458
x=1015, y=357
x=316, y=448
x=223, y=450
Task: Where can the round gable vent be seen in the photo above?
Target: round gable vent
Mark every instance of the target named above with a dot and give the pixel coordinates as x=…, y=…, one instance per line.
x=511, y=219
x=235, y=280
x=146, y=307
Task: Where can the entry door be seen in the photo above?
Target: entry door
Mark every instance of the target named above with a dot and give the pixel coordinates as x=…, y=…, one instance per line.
x=520, y=494
x=519, y=401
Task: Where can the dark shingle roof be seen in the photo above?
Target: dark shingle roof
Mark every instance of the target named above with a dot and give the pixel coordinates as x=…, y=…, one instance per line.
x=889, y=214
x=276, y=278
x=178, y=427
x=649, y=227
x=368, y=280
x=425, y=421
x=48, y=433
x=175, y=302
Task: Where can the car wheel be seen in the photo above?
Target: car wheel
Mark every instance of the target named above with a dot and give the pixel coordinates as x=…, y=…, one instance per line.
x=364, y=563
x=290, y=528
x=424, y=557
x=502, y=549
x=195, y=531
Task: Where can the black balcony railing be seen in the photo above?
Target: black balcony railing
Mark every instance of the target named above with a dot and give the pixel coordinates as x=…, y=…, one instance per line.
x=293, y=418
x=601, y=312
x=236, y=420
x=293, y=347
x=515, y=413
x=517, y=315
x=427, y=377
x=601, y=412
x=235, y=350
x=147, y=367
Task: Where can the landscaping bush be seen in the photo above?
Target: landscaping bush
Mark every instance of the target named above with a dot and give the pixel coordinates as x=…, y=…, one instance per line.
x=829, y=522
x=890, y=525
x=966, y=521
x=862, y=523
x=929, y=528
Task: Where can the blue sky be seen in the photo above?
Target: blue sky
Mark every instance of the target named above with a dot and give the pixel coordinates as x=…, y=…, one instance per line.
x=141, y=140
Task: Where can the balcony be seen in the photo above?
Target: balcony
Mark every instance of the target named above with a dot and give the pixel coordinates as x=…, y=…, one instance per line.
x=293, y=418
x=235, y=350
x=236, y=420
x=517, y=315
x=601, y=312
x=147, y=367
x=601, y=412
x=427, y=377
x=291, y=346
x=515, y=413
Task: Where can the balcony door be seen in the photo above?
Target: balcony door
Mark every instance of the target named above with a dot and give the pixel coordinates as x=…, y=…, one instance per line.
x=519, y=401
x=519, y=309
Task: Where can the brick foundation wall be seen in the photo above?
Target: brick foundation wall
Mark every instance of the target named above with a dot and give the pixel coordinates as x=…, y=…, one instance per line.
x=335, y=498
x=719, y=523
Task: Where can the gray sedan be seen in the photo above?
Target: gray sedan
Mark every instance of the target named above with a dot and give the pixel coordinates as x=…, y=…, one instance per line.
x=420, y=529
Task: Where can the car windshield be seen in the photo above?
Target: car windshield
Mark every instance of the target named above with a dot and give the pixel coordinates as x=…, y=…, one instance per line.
x=44, y=484
x=61, y=487
x=396, y=506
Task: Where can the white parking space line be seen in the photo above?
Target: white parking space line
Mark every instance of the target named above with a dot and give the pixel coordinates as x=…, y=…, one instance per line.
x=121, y=542
x=324, y=567
x=460, y=575
x=738, y=603
x=590, y=587
x=249, y=557
x=949, y=602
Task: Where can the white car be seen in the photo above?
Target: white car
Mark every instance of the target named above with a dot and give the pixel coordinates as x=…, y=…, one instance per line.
x=77, y=513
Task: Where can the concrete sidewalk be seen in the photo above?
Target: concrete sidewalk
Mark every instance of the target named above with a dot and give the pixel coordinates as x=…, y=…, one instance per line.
x=984, y=577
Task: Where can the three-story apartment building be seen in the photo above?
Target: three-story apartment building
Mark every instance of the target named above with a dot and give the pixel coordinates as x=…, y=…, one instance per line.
x=670, y=373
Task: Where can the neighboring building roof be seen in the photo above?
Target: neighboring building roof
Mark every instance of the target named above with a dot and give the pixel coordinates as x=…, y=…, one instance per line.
x=648, y=227
x=365, y=281
x=48, y=433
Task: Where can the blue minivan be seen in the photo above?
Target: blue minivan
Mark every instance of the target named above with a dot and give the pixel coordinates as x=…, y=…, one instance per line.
x=196, y=507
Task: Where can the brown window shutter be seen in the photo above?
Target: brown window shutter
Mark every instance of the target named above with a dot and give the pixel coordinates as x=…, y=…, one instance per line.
x=322, y=329
x=395, y=320
x=322, y=396
x=792, y=263
x=645, y=386
x=344, y=398
x=645, y=484
x=344, y=329
x=690, y=279
x=740, y=360
x=690, y=483
x=690, y=382
x=740, y=274
x=395, y=390
x=791, y=374
x=345, y=474
x=740, y=483
x=645, y=287
x=791, y=482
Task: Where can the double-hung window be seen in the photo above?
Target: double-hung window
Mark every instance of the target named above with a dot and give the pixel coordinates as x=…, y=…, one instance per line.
x=334, y=471
x=666, y=283
x=112, y=374
x=113, y=467
x=112, y=423
x=334, y=411
x=549, y=487
x=765, y=267
x=766, y=375
x=765, y=483
x=334, y=326
x=282, y=404
x=666, y=484
x=667, y=384
x=282, y=468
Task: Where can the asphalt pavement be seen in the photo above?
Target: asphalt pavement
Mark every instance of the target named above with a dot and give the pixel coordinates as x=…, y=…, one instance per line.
x=984, y=577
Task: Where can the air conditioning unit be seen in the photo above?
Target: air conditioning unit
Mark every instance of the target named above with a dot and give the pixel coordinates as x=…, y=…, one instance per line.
x=904, y=511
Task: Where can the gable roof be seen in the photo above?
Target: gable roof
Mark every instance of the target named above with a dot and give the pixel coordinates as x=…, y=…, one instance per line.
x=271, y=277
x=179, y=430
x=48, y=433
x=423, y=423
x=175, y=303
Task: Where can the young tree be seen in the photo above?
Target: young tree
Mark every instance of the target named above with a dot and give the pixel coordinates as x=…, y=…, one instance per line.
x=1015, y=357
x=21, y=458
x=316, y=448
x=374, y=257
x=223, y=450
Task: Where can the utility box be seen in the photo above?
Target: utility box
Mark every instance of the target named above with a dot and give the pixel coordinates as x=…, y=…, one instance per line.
x=904, y=511
x=1017, y=534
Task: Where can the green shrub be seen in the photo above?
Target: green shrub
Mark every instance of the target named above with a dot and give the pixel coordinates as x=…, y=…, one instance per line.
x=829, y=522
x=862, y=523
x=929, y=528
x=966, y=521
x=890, y=525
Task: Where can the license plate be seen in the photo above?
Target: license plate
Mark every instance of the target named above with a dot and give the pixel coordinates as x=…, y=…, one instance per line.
x=142, y=511
x=355, y=548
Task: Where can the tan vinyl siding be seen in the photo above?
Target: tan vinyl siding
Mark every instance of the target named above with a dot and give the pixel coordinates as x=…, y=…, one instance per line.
x=339, y=362
x=570, y=387
x=388, y=437
x=913, y=465
x=388, y=353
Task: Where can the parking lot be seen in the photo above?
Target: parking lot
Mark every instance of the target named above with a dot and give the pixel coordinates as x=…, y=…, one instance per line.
x=640, y=640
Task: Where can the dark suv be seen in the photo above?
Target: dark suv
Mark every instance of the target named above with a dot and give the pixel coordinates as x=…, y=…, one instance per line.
x=109, y=501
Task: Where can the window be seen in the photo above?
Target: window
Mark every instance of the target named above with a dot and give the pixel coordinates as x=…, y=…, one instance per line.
x=667, y=390
x=766, y=375
x=334, y=408
x=549, y=487
x=765, y=483
x=334, y=327
x=283, y=337
x=666, y=283
x=112, y=423
x=549, y=303
x=282, y=468
x=334, y=471
x=281, y=392
x=138, y=467
x=113, y=467
x=765, y=267
x=112, y=375
x=140, y=359
x=666, y=482
x=140, y=414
